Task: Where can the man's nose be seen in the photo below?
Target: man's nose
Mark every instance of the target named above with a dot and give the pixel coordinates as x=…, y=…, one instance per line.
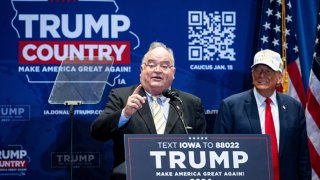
x=158, y=68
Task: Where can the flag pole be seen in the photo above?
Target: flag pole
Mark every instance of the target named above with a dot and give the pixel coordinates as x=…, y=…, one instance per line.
x=285, y=80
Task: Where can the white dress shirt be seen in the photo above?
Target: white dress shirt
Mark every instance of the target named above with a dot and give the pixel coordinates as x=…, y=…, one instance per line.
x=261, y=104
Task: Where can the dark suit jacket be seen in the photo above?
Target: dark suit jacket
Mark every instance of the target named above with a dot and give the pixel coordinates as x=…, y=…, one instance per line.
x=238, y=114
x=105, y=127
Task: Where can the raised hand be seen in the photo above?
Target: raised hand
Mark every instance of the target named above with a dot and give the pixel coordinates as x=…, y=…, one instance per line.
x=134, y=102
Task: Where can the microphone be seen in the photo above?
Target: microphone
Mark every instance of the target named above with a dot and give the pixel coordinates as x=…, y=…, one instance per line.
x=173, y=96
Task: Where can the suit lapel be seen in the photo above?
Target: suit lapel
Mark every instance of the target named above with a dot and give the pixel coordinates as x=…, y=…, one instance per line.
x=146, y=115
x=251, y=109
x=173, y=117
x=282, y=122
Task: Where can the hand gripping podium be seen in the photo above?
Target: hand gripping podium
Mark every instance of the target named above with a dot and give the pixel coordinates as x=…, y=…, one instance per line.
x=80, y=80
x=203, y=157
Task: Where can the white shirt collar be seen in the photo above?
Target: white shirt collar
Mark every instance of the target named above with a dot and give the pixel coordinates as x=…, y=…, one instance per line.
x=161, y=97
x=260, y=99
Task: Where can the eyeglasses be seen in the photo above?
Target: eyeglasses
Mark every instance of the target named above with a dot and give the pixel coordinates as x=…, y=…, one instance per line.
x=153, y=66
x=267, y=72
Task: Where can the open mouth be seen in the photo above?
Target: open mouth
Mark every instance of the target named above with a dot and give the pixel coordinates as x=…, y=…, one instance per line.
x=157, y=78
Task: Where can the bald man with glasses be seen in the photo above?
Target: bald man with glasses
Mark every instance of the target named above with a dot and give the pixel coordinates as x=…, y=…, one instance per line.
x=142, y=109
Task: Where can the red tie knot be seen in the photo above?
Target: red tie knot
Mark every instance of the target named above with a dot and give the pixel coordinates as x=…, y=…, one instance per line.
x=268, y=101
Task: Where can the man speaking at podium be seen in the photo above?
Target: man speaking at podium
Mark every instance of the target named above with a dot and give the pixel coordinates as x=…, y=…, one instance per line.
x=143, y=109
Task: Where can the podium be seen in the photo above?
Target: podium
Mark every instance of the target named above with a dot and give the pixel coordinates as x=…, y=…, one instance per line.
x=181, y=157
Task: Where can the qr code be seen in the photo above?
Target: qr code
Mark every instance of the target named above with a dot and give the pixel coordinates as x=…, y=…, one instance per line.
x=211, y=35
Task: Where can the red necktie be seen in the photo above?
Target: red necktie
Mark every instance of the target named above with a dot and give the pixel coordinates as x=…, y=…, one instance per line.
x=274, y=147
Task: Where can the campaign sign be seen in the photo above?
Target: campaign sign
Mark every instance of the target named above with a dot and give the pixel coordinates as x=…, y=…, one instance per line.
x=198, y=157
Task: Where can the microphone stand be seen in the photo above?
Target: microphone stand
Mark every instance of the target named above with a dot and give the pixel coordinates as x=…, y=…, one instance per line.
x=71, y=113
x=180, y=113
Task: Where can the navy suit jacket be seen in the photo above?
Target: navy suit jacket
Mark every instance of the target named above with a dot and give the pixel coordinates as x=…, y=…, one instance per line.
x=238, y=114
x=105, y=127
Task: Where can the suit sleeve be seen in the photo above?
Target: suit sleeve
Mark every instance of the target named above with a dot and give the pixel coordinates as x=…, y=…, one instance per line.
x=200, y=118
x=223, y=122
x=304, y=171
x=105, y=127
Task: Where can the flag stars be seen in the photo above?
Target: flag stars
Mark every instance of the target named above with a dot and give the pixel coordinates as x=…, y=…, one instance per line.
x=271, y=30
x=278, y=15
x=275, y=42
x=279, y=2
x=318, y=27
x=266, y=25
x=264, y=39
x=289, y=5
x=277, y=28
x=296, y=49
x=269, y=12
x=287, y=32
x=289, y=18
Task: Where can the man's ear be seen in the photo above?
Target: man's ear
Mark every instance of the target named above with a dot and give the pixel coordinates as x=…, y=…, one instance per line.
x=174, y=72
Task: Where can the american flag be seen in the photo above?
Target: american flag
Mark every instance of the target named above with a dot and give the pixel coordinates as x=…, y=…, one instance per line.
x=270, y=37
x=313, y=107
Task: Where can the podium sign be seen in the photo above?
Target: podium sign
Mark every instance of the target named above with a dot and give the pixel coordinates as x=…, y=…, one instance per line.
x=198, y=157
